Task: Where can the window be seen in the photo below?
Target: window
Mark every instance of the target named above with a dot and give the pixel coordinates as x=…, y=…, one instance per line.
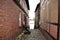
x=19, y=19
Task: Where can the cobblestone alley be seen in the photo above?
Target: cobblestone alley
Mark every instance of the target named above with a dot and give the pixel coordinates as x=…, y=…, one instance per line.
x=35, y=35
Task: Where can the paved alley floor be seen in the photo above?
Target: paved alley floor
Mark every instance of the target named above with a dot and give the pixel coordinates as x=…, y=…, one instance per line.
x=35, y=35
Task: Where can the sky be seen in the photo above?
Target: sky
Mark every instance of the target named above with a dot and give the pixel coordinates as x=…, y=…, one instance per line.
x=33, y=4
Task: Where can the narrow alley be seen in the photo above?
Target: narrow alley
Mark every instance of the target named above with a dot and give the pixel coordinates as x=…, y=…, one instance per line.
x=29, y=19
x=35, y=35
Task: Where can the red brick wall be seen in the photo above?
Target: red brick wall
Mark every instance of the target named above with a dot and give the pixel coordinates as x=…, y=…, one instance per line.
x=53, y=30
x=50, y=28
x=9, y=27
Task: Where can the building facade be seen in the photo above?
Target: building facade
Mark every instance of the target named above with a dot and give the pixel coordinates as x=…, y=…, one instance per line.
x=37, y=16
x=49, y=18
x=12, y=18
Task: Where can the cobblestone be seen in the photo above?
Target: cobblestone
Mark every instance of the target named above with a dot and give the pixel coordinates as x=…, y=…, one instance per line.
x=35, y=35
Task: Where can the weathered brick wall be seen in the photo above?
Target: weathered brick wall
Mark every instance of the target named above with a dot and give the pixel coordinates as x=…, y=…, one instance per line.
x=9, y=19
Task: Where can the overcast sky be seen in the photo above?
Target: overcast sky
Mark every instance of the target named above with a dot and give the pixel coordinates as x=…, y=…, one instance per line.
x=33, y=4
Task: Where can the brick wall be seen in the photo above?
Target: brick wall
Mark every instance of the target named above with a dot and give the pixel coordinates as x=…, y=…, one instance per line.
x=9, y=20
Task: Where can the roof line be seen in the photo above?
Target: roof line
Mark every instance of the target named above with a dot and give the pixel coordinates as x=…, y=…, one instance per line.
x=38, y=5
x=21, y=8
x=27, y=2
